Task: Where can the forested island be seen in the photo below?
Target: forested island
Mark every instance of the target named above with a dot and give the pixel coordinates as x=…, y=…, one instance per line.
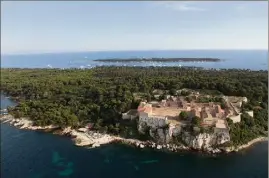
x=76, y=97
x=161, y=60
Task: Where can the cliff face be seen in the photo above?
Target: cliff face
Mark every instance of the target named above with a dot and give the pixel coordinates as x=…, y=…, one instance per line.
x=158, y=129
x=163, y=132
x=205, y=141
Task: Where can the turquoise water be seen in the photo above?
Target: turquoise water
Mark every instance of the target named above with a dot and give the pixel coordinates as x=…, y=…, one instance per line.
x=33, y=154
x=242, y=59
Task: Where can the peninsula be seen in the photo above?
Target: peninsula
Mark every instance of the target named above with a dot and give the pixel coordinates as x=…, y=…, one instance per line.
x=161, y=60
x=160, y=107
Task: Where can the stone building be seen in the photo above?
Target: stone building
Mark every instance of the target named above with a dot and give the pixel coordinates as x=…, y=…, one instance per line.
x=131, y=114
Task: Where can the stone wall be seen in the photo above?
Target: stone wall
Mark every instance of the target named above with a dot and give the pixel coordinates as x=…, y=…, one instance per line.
x=236, y=119
x=159, y=127
x=125, y=116
x=250, y=113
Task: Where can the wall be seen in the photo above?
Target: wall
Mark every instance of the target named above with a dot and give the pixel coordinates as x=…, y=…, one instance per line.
x=236, y=119
x=128, y=116
x=125, y=116
x=158, y=127
x=250, y=113
x=220, y=130
x=152, y=121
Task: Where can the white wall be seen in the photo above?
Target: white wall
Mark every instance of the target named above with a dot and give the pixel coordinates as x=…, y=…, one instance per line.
x=250, y=113
x=236, y=119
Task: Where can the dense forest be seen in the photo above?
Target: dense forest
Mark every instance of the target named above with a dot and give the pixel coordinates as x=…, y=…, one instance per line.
x=75, y=97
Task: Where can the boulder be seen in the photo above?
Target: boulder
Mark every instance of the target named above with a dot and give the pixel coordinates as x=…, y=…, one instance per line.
x=82, y=129
x=95, y=145
x=137, y=144
x=159, y=147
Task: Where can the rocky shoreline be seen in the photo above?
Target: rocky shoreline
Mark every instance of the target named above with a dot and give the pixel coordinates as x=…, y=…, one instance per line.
x=82, y=137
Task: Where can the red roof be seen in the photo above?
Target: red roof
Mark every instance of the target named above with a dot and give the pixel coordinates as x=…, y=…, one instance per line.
x=141, y=108
x=144, y=108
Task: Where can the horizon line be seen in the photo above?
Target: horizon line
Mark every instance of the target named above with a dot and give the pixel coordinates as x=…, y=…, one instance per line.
x=135, y=50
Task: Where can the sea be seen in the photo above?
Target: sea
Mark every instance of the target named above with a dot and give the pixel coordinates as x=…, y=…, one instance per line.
x=35, y=154
x=241, y=59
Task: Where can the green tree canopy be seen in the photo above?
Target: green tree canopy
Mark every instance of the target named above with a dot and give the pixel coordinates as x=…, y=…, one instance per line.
x=183, y=115
x=196, y=121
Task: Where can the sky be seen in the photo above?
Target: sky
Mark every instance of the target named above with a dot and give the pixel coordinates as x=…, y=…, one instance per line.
x=70, y=26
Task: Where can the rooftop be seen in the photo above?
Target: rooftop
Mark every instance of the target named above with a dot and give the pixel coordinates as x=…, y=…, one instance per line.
x=221, y=124
x=166, y=111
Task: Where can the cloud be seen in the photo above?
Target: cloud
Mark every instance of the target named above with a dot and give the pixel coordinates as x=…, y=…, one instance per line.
x=181, y=6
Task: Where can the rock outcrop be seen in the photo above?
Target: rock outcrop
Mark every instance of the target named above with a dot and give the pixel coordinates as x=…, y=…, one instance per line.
x=163, y=132
x=205, y=141
x=158, y=129
x=209, y=142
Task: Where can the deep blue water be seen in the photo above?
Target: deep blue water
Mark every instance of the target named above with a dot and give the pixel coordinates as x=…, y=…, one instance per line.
x=32, y=154
x=242, y=59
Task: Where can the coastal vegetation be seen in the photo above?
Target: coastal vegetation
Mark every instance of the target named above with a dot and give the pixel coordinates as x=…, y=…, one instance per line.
x=249, y=128
x=183, y=115
x=99, y=96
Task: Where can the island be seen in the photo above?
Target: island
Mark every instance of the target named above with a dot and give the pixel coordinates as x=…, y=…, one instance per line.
x=166, y=108
x=160, y=60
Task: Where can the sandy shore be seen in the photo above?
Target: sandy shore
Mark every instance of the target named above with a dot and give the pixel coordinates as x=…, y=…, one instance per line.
x=83, y=137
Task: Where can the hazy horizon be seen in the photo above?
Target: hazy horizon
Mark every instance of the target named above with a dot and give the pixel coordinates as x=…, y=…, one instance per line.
x=111, y=51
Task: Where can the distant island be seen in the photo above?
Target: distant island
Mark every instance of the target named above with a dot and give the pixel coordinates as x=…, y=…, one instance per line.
x=160, y=60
